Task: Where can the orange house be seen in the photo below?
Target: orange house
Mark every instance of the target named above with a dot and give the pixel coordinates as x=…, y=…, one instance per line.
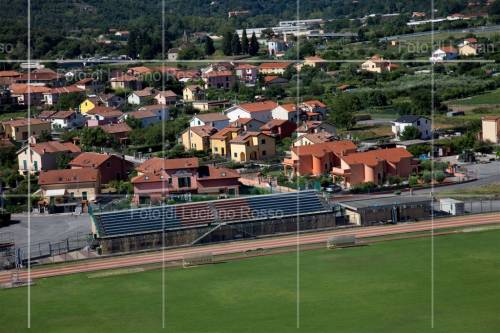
x=374, y=166
x=317, y=159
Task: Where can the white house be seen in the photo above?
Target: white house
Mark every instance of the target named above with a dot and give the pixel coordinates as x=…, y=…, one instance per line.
x=285, y=112
x=63, y=119
x=140, y=96
x=148, y=115
x=215, y=119
x=423, y=125
x=444, y=53
x=167, y=97
x=261, y=111
x=276, y=46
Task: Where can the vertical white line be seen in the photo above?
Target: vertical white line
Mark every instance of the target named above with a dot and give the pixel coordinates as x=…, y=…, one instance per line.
x=297, y=49
x=432, y=163
x=163, y=287
x=29, y=174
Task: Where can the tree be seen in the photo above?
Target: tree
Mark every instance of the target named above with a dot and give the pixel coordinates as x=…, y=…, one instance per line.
x=235, y=44
x=94, y=137
x=495, y=8
x=253, y=47
x=209, y=46
x=70, y=101
x=62, y=161
x=226, y=43
x=244, y=42
x=410, y=133
x=343, y=108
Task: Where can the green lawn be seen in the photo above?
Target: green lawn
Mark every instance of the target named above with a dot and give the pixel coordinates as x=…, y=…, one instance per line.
x=383, y=287
x=492, y=97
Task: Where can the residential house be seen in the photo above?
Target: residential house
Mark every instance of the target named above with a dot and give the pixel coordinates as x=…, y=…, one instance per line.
x=276, y=68
x=147, y=116
x=8, y=77
x=173, y=54
x=444, y=53
x=159, y=178
x=377, y=64
x=210, y=105
x=111, y=167
x=106, y=100
x=52, y=96
x=125, y=81
x=17, y=129
x=89, y=85
x=315, y=62
x=215, y=119
x=274, y=80
x=167, y=97
x=28, y=94
x=139, y=71
x=287, y=111
x=101, y=115
x=66, y=120
x=374, y=166
x=247, y=74
x=41, y=77
x=314, y=109
x=313, y=138
x=220, y=141
x=247, y=124
x=193, y=93
x=197, y=137
x=468, y=50
x=37, y=157
x=279, y=128
x=140, y=96
x=219, y=80
x=317, y=159
x=276, y=47
x=491, y=129
x=68, y=187
x=118, y=131
x=252, y=146
x=316, y=127
x=423, y=124
x=261, y=111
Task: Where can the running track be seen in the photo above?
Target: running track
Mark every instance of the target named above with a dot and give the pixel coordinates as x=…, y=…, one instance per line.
x=241, y=246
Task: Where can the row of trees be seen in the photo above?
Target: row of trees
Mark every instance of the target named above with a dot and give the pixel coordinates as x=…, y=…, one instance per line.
x=232, y=45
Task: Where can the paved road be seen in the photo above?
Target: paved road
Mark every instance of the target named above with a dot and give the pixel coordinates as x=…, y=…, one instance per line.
x=483, y=29
x=242, y=246
x=45, y=228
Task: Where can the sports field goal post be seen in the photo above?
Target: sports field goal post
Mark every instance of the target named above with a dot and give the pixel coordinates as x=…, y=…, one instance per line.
x=197, y=259
x=340, y=241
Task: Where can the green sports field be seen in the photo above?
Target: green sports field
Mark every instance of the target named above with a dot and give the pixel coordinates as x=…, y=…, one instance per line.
x=383, y=287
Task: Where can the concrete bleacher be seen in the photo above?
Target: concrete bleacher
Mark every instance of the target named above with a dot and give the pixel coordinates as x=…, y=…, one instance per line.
x=170, y=217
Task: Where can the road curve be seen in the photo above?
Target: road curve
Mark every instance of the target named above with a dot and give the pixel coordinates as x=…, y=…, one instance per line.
x=241, y=246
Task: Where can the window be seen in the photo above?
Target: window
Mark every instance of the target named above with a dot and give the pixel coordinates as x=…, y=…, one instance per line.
x=108, y=164
x=263, y=141
x=235, y=154
x=216, y=149
x=25, y=165
x=35, y=165
x=264, y=153
x=84, y=195
x=184, y=182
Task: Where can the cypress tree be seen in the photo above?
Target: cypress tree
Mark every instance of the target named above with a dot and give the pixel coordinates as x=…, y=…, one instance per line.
x=244, y=42
x=253, y=48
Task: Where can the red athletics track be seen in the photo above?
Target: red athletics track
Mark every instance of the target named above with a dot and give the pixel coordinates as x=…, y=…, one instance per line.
x=241, y=246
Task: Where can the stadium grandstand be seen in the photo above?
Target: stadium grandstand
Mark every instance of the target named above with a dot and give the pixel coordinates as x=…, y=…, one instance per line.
x=191, y=223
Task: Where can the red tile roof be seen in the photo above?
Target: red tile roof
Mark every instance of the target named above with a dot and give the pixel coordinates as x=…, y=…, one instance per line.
x=24, y=122
x=116, y=128
x=259, y=106
x=156, y=164
x=203, y=131
x=90, y=160
x=22, y=88
x=274, y=65
x=55, y=147
x=218, y=74
x=373, y=157
x=105, y=112
x=68, y=176
x=315, y=103
x=9, y=74
x=320, y=149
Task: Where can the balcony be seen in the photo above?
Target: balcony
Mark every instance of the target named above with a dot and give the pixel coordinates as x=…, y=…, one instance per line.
x=341, y=172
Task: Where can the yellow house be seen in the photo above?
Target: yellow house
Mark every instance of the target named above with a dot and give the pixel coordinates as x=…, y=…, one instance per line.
x=87, y=105
x=252, y=146
x=22, y=129
x=192, y=93
x=197, y=137
x=491, y=129
x=468, y=50
x=219, y=142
